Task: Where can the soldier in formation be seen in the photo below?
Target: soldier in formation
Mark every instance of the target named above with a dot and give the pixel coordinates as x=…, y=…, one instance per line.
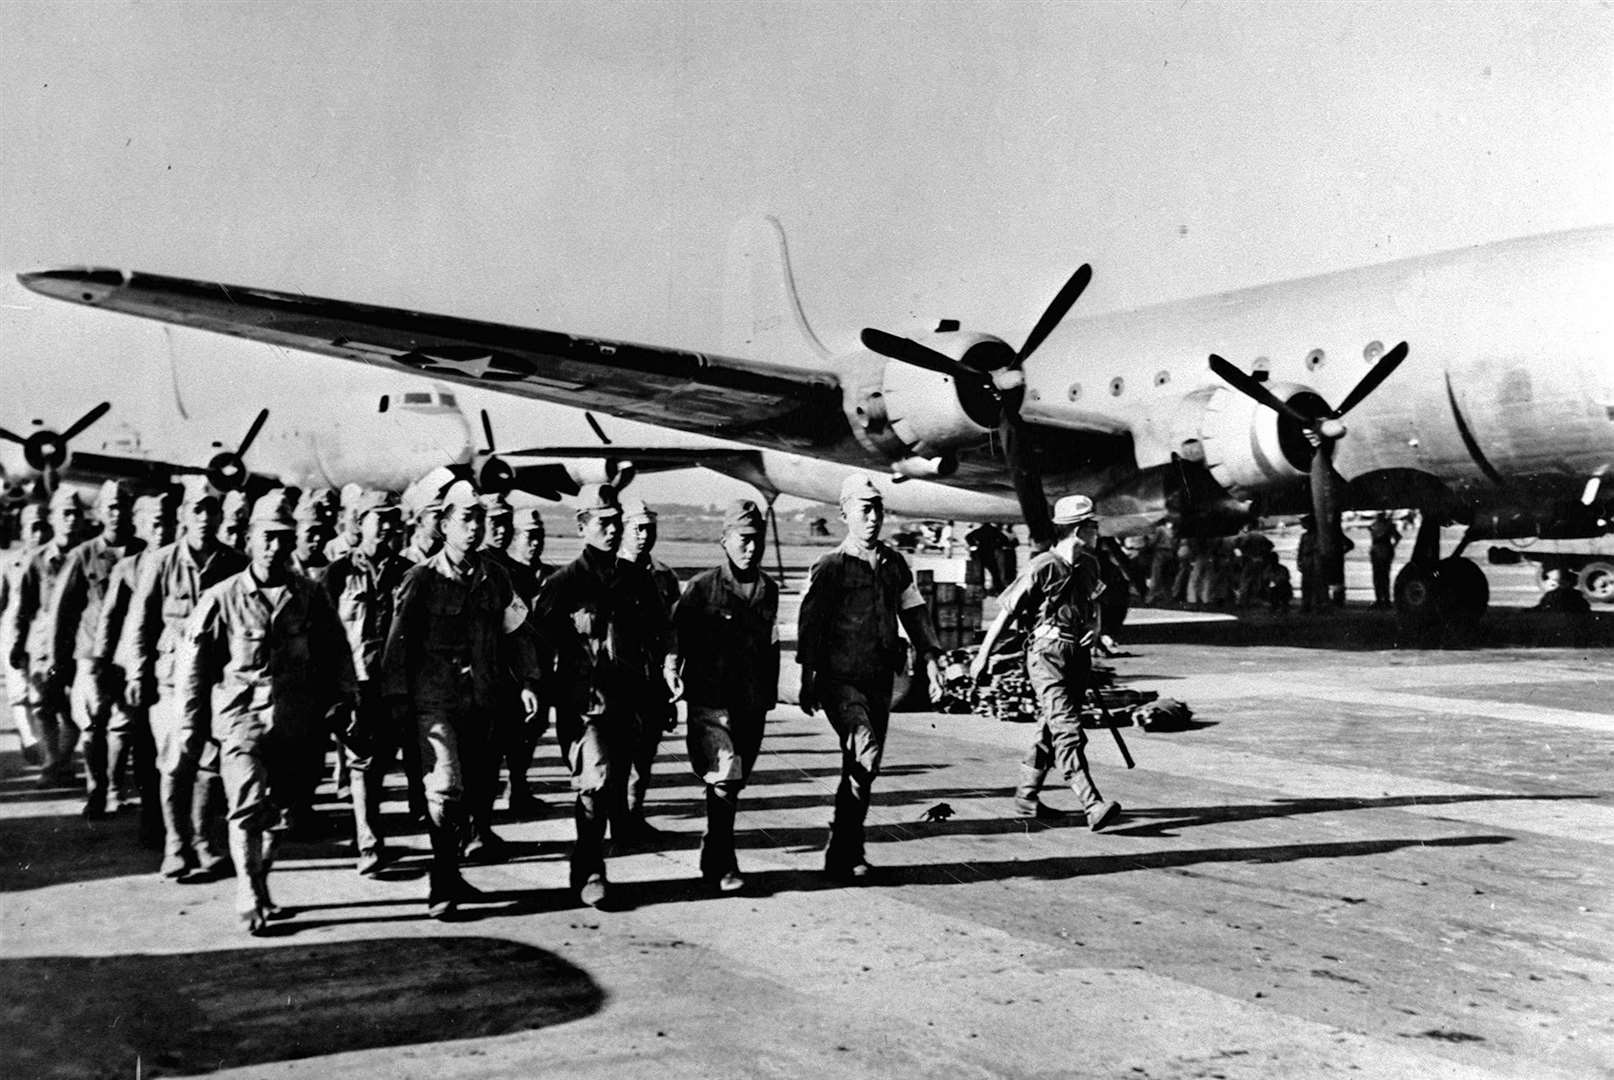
x=850, y=652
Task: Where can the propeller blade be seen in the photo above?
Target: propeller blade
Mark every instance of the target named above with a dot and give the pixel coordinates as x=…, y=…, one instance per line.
x=911, y=352
x=1057, y=310
x=487, y=431
x=1327, y=507
x=1370, y=382
x=86, y=420
x=598, y=431
x=11, y=436
x=252, y=433
x=1247, y=385
x=1027, y=480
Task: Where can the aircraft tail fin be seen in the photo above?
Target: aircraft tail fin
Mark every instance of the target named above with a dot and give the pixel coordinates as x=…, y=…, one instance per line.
x=762, y=316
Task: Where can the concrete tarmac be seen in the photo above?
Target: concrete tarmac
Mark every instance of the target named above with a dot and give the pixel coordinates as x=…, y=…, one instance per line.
x=1356, y=861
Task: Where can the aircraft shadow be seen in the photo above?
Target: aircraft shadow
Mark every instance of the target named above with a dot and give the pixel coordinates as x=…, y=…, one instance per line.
x=1356, y=629
x=190, y=1013
x=1163, y=821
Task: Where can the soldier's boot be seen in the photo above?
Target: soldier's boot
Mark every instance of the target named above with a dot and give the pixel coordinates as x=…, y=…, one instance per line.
x=589, y=815
x=366, y=798
x=447, y=889
x=118, y=792
x=1100, y=811
x=844, y=859
x=96, y=788
x=206, y=810
x=247, y=852
x=719, y=866
x=1027, y=797
x=523, y=803
x=175, y=794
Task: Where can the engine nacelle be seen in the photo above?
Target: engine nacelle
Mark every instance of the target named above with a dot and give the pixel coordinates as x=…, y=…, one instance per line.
x=552, y=479
x=1247, y=445
x=902, y=411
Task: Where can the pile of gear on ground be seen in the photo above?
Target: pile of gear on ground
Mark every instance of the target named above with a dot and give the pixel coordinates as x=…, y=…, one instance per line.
x=1007, y=696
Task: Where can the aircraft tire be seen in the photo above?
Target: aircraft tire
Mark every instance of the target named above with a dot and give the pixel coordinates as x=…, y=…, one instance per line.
x=1597, y=582
x=1417, y=594
x=1462, y=592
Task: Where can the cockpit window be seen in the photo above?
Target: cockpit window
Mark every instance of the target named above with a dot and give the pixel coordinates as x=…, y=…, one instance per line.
x=415, y=397
x=446, y=399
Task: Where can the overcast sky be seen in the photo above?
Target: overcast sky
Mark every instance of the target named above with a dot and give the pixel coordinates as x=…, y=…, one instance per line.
x=579, y=166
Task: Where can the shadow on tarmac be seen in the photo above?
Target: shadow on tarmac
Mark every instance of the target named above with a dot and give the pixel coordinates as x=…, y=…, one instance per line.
x=1359, y=629
x=188, y=1013
x=1168, y=819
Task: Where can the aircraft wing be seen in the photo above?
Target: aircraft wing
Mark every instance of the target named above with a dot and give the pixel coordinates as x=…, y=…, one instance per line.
x=762, y=404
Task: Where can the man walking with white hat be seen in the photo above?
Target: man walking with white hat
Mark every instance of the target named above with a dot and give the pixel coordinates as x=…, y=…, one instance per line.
x=1058, y=596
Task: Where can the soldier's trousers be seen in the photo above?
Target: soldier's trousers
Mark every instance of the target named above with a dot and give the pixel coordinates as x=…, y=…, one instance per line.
x=650, y=723
x=597, y=750
x=860, y=713
x=723, y=746
x=110, y=739
x=189, y=787
x=1059, y=672
x=371, y=744
x=17, y=690
x=53, y=721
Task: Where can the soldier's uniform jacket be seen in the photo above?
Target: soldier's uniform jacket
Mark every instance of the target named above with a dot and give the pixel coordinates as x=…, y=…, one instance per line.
x=80, y=593
x=1057, y=598
x=11, y=570
x=446, y=646
x=848, y=623
x=601, y=624
x=114, y=611
x=527, y=577
x=29, y=617
x=728, y=641
x=363, y=592
x=253, y=659
x=415, y=553
x=167, y=592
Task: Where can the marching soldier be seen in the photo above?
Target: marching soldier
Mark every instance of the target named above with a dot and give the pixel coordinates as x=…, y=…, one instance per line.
x=170, y=585
x=524, y=562
x=728, y=647
x=1058, y=594
x=440, y=670
x=655, y=712
x=33, y=635
x=262, y=668
x=74, y=663
x=154, y=525
x=849, y=652
x=423, y=509
x=347, y=529
x=34, y=527
x=234, y=510
x=316, y=527
x=600, y=623
x=361, y=586
x=500, y=515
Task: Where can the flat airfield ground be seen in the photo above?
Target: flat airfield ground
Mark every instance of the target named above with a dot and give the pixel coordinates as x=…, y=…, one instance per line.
x=1358, y=859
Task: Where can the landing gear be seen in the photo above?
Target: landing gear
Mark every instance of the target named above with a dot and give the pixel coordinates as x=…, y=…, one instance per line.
x=1435, y=598
x=1597, y=582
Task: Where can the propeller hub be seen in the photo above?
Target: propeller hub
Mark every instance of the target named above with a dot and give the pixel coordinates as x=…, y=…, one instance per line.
x=1332, y=429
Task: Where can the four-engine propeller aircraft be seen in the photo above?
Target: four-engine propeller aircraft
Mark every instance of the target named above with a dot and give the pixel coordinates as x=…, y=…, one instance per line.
x=1479, y=385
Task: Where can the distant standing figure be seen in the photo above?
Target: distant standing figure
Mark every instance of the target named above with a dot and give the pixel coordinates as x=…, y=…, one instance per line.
x=1384, y=536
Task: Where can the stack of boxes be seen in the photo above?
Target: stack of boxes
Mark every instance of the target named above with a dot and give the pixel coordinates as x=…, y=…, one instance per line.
x=955, y=609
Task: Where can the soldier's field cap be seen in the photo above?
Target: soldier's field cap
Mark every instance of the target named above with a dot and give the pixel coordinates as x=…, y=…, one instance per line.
x=635, y=510
x=65, y=498
x=460, y=495
x=235, y=501
x=153, y=504
x=316, y=504
x=743, y=516
x=1073, y=510
x=270, y=512
x=859, y=488
x=113, y=491
x=598, y=500
x=32, y=514
x=496, y=505
x=194, y=491
x=373, y=501
x=351, y=494
x=526, y=517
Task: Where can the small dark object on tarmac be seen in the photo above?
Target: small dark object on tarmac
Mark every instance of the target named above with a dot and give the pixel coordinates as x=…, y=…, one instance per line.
x=940, y=812
x=1164, y=714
